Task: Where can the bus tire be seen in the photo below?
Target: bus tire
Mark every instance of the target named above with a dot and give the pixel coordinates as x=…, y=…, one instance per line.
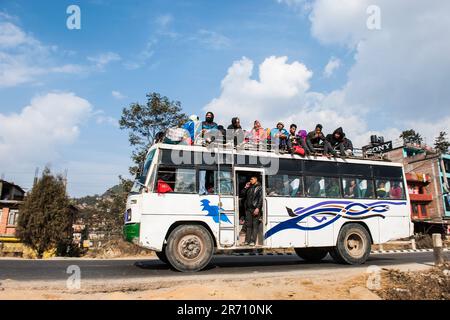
x=353, y=245
x=189, y=248
x=162, y=255
x=311, y=254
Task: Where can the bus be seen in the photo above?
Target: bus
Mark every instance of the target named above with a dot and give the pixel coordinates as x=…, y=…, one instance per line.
x=185, y=204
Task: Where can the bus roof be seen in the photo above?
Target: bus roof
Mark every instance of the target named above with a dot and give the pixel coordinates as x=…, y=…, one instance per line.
x=197, y=148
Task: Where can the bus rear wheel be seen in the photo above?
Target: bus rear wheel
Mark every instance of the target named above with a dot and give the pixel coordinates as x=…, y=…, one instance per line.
x=353, y=245
x=311, y=254
x=189, y=248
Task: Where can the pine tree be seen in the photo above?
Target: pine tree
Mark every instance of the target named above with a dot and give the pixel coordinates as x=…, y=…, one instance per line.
x=441, y=143
x=45, y=221
x=411, y=136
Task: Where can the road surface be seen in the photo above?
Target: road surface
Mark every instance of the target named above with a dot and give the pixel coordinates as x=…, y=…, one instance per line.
x=127, y=269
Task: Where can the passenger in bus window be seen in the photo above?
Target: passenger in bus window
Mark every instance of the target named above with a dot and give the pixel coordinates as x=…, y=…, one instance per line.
x=381, y=189
x=396, y=191
x=313, y=186
x=252, y=196
x=352, y=189
x=315, y=140
x=332, y=189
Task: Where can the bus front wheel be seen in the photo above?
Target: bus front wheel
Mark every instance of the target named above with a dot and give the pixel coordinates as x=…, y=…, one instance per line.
x=162, y=255
x=311, y=254
x=353, y=245
x=189, y=248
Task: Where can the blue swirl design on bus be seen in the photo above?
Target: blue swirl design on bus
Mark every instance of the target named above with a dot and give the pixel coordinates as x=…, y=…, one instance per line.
x=213, y=211
x=327, y=212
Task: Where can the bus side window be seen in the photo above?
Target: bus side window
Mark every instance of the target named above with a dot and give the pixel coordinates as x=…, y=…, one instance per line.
x=284, y=185
x=358, y=188
x=322, y=187
x=180, y=180
x=209, y=182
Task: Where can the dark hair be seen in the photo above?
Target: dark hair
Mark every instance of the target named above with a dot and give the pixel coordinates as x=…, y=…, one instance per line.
x=293, y=126
x=319, y=126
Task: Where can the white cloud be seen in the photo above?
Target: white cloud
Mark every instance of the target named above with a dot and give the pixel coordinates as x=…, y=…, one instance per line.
x=117, y=95
x=212, y=39
x=401, y=72
x=34, y=135
x=23, y=58
x=282, y=93
x=103, y=59
x=164, y=20
x=332, y=65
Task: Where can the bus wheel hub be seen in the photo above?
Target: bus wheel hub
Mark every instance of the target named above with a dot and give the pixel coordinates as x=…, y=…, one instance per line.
x=190, y=247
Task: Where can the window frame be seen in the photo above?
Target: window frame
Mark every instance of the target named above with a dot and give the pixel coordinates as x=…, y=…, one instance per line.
x=326, y=196
x=289, y=174
x=165, y=167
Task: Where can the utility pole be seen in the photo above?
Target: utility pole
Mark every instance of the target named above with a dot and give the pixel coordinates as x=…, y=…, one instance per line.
x=36, y=173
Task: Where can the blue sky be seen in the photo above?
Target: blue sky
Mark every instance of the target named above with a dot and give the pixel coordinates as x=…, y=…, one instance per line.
x=184, y=50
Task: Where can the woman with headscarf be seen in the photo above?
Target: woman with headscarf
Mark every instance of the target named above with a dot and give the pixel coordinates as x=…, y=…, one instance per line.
x=258, y=135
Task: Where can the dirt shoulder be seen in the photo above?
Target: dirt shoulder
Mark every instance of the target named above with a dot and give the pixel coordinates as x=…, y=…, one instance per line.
x=340, y=284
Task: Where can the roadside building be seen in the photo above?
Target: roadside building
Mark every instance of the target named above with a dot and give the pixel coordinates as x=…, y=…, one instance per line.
x=11, y=196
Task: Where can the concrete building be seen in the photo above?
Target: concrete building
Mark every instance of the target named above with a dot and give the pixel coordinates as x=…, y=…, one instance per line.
x=11, y=196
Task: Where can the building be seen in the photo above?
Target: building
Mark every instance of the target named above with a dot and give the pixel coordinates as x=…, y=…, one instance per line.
x=427, y=174
x=11, y=196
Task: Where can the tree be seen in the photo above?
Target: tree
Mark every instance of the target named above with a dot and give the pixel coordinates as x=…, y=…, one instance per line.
x=441, y=142
x=45, y=220
x=145, y=121
x=411, y=136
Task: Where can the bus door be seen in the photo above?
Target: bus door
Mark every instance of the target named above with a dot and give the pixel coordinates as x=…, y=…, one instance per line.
x=242, y=175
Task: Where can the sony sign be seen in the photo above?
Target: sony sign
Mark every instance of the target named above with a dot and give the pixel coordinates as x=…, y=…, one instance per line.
x=380, y=148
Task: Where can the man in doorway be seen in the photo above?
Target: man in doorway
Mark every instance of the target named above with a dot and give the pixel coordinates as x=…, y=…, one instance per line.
x=252, y=195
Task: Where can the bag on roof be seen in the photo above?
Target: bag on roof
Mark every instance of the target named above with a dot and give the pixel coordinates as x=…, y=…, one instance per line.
x=177, y=136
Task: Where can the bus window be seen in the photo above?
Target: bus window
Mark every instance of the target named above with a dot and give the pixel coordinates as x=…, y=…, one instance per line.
x=390, y=189
x=322, y=187
x=179, y=180
x=283, y=185
x=358, y=188
x=209, y=182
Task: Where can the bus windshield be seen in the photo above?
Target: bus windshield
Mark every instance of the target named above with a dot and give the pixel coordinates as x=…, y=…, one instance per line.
x=139, y=183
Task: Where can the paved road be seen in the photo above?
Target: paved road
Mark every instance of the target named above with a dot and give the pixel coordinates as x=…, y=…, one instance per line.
x=54, y=270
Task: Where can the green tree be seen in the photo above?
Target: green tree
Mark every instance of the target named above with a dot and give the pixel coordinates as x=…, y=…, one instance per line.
x=411, y=136
x=441, y=142
x=45, y=221
x=144, y=121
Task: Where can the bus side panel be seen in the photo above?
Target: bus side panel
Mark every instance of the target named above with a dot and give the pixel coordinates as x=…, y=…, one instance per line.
x=278, y=212
x=159, y=212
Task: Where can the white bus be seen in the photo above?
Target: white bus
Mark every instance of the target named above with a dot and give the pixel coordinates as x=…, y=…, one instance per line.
x=185, y=205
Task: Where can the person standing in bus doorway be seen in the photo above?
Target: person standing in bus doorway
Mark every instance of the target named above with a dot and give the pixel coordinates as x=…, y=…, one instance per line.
x=252, y=194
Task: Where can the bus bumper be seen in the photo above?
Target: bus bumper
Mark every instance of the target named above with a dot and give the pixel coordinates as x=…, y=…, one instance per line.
x=131, y=232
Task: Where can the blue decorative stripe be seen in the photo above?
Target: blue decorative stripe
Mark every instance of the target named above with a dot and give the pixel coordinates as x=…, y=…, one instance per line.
x=336, y=208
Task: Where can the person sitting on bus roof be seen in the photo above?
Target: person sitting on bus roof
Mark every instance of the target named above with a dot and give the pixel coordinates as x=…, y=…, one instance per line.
x=348, y=147
x=296, y=144
x=301, y=138
x=315, y=139
x=257, y=135
x=235, y=132
x=279, y=137
x=333, y=142
x=193, y=127
x=208, y=127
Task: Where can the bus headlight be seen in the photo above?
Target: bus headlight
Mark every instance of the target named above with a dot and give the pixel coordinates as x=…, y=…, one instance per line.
x=128, y=215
